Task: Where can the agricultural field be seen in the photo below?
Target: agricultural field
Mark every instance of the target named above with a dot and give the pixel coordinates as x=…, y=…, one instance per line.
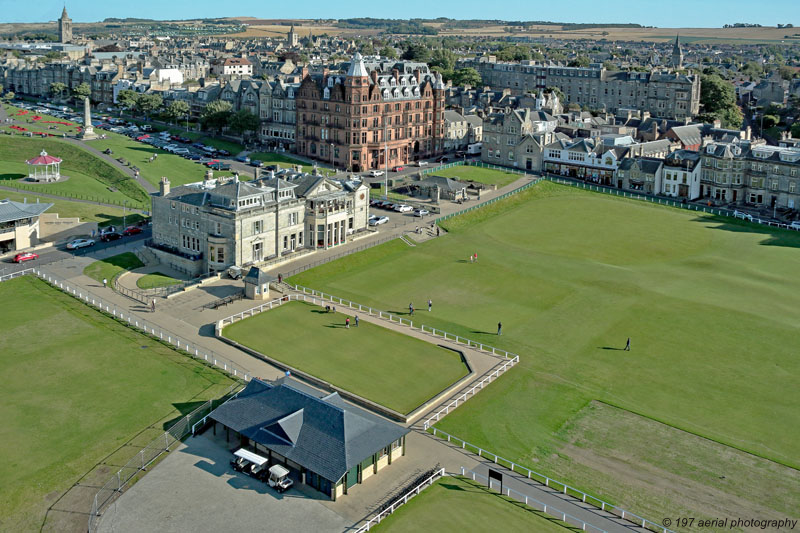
x=711, y=304
x=459, y=504
x=359, y=359
x=78, y=401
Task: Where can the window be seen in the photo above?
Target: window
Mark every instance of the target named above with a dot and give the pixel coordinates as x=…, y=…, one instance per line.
x=292, y=219
x=258, y=251
x=258, y=226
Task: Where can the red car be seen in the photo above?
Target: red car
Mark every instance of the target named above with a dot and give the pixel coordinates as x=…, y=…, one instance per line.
x=25, y=256
x=398, y=168
x=132, y=230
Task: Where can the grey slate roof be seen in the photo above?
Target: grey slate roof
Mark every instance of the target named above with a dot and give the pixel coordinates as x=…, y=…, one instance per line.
x=445, y=184
x=324, y=435
x=257, y=276
x=11, y=211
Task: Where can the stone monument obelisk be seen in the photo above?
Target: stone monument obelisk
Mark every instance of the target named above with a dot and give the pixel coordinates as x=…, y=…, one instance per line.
x=87, y=134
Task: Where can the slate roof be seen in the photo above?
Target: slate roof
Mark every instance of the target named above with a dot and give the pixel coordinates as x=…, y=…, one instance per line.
x=256, y=276
x=688, y=135
x=445, y=184
x=324, y=435
x=11, y=211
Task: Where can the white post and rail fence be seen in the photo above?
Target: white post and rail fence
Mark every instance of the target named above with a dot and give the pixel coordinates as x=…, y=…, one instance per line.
x=375, y=520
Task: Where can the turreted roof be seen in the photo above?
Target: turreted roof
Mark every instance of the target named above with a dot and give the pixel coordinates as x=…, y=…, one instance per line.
x=357, y=68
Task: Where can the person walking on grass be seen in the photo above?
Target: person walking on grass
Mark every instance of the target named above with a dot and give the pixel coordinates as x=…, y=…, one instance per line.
x=628, y=345
x=499, y=328
x=105, y=283
x=476, y=257
x=347, y=322
x=411, y=309
x=430, y=304
x=356, y=320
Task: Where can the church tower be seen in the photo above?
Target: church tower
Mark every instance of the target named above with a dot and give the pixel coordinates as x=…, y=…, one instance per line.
x=64, y=27
x=292, y=38
x=677, y=54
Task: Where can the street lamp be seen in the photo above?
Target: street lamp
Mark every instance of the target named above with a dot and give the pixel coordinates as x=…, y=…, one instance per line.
x=332, y=165
x=124, y=213
x=385, y=162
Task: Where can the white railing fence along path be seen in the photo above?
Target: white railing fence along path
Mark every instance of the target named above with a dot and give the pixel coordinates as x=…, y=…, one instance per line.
x=475, y=389
x=372, y=522
x=530, y=501
x=547, y=481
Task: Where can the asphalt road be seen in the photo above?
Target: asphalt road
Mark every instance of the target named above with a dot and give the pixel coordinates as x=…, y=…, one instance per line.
x=60, y=252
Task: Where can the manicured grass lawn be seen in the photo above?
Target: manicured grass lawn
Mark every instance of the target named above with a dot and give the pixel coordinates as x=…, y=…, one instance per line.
x=43, y=125
x=179, y=170
x=360, y=359
x=90, y=177
x=156, y=280
x=77, y=385
x=712, y=306
x=488, y=176
x=108, y=268
x=459, y=504
x=285, y=161
x=103, y=215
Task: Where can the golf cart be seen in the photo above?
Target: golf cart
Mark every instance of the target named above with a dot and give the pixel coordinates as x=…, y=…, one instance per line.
x=235, y=272
x=279, y=478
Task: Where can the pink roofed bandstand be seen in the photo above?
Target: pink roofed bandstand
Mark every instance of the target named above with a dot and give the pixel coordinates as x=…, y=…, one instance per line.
x=44, y=168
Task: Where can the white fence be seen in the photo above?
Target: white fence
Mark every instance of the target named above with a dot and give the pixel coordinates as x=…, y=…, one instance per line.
x=550, y=482
x=16, y=274
x=534, y=503
x=375, y=520
x=441, y=413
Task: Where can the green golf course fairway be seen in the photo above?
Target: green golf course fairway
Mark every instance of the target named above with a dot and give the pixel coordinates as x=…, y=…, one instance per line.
x=712, y=307
x=77, y=386
x=459, y=504
x=379, y=364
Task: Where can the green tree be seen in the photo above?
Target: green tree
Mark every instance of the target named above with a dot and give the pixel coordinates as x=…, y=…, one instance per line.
x=558, y=92
x=416, y=52
x=466, y=76
x=770, y=121
x=215, y=115
x=388, y=52
x=368, y=49
x=243, y=121
x=82, y=91
x=787, y=73
x=445, y=59
x=57, y=89
x=177, y=109
x=128, y=99
x=580, y=61
x=718, y=98
x=9, y=96
x=148, y=103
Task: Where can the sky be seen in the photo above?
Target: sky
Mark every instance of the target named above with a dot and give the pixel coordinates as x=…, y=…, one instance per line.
x=661, y=13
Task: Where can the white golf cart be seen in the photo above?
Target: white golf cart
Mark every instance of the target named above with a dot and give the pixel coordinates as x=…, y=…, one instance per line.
x=279, y=478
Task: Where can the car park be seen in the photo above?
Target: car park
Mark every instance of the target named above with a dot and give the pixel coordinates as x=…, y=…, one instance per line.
x=377, y=221
x=80, y=243
x=742, y=215
x=421, y=212
x=376, y=173
x=403, y=208
x=25, y=256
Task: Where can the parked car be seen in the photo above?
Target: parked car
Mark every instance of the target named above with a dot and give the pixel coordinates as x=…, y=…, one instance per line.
x=403, y=208
x=108, y=229
x=279, y=478
x=421, y=212
x=743, y=216
x=80, y=243
x=25, y=256
x=147, y=127
x=234, y=272
x=112, y=236
x=398, y=168
x=242, y=159
x=219, y=165
x=377, y=221
x=256, y=163
x=422, y=163
x=132, y=230
x=376, y=173
x=442, y=159
x=223, y=153
x=795, y=225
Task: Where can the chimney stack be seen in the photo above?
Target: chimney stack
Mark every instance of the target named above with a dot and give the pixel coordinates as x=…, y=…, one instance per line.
x=163, y=186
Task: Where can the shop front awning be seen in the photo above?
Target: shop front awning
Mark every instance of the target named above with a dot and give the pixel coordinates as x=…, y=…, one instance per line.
x=250, y=456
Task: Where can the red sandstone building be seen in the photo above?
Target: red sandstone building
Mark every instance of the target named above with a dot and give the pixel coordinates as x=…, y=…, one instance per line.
x=352, y=120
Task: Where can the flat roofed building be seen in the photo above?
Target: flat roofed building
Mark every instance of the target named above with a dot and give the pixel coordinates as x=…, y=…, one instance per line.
x=19, y=224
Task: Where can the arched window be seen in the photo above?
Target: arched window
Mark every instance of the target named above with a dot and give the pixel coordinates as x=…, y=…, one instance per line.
x=326, y=94
x=330, y=81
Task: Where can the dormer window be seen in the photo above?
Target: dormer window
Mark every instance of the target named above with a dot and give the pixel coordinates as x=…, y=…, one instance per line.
x=393, y=82
x=326, y=94
x=402, y=81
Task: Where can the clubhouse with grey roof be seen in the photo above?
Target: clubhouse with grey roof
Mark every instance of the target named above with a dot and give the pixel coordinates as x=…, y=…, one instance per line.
x=19, y=224
x=325, y=443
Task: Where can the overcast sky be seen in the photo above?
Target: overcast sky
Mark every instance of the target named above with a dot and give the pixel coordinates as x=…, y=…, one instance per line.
x=673, y=14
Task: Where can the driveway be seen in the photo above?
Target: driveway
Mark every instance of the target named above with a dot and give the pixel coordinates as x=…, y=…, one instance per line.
x=195, y=489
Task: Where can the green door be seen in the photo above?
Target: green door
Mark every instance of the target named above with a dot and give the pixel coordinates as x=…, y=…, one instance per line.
x=352, y=477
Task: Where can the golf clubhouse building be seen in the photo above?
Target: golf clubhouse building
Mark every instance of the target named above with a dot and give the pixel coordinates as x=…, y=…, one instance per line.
x=325, y=443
